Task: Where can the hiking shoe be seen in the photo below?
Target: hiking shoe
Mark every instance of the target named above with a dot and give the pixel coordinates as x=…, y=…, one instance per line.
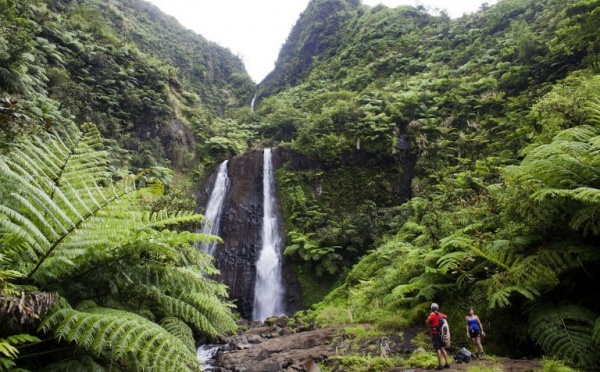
x=482, y=356
x=439, y=367
x=447, y=366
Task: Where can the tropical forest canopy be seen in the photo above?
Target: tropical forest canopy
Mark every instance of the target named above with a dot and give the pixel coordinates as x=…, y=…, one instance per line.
x=458, y=162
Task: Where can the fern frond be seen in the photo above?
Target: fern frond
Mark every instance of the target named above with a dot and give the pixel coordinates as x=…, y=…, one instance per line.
x=66, y=225
x=181, y=330
x=581, y=133
x=175, y=307
x=83, y=363
x=565, y=331
x=127, y=337
x=582, y=194
x=596, y=334
x=7, y=345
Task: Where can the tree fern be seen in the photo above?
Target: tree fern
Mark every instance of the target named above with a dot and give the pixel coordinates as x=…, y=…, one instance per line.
x=566, y=331
x=419, y=289
x=132, y=337
x=66, y=225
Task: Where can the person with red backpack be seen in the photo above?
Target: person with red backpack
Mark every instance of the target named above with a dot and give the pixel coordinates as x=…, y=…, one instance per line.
x=436, y=321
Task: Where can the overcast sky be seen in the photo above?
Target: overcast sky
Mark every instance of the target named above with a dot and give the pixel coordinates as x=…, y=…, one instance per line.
x=255, y=30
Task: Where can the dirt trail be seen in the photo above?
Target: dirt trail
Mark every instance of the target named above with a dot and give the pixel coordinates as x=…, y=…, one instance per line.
x=285, y=346
x=498, y=365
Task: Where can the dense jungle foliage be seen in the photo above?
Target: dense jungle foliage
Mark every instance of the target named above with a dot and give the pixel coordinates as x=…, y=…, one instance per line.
x=457, y=161
x=153, y=88
x=494, y=118
x=97, y=268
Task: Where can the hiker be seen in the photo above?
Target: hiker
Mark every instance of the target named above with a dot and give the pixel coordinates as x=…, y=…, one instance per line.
x=434, y=320
x=475, y=331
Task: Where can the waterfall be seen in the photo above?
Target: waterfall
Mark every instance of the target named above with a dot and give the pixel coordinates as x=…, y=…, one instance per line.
x=253, y=100
x=268, y=291
x=214, y=208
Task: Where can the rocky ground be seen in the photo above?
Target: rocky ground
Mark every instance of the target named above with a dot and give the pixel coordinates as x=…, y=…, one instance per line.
x=283, y=344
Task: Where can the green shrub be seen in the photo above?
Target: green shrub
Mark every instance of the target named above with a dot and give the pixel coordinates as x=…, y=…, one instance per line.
x=422, y=359
x=553, y=365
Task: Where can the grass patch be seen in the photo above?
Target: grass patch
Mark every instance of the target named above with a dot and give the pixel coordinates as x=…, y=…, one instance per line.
x=422, y=360
x=357, y=363
x=361, y=333
x=422, y=340
x=553, y=365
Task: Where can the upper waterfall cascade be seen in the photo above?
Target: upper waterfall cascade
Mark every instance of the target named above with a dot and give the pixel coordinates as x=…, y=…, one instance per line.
x=268, y=292
x=253, y=100
x=214, y=208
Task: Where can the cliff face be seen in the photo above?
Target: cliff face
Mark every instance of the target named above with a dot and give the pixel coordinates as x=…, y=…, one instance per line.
x=313, y=35
x=241, y=223
x=241, y=232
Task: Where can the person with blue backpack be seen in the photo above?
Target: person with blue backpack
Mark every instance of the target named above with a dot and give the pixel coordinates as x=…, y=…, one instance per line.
x=475, y=331
x=437, y=321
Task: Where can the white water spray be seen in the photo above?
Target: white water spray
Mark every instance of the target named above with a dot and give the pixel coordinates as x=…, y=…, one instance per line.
x=268, y=291
x=253, y=100
x=207, y=355
x=214, y=209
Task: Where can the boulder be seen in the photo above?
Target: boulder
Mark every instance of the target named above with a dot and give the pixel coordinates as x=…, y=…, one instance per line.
x=306, y=366
x=292, y=352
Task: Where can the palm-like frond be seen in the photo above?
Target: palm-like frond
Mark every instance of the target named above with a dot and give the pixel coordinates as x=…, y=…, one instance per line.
x=200, y=310
x=135, y=339
x=566, y=331
x=64, y=214
x=180, y=330
x=421, y=288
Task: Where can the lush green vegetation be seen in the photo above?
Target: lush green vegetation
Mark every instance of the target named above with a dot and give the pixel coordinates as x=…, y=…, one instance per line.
x=98, y=269
x=495, y=118
x=151, y=87
x=114, y=284
x=452, y=160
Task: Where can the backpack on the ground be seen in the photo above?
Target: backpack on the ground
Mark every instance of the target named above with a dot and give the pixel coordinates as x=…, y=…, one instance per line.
x=463, y=356
x=444, y=330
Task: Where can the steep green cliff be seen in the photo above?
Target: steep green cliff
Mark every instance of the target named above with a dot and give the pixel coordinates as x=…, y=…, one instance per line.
x=145, y=81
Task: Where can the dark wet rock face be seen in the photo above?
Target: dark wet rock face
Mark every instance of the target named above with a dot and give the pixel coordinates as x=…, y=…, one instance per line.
x=241, y=221
x=240, y=229
x=241, y=225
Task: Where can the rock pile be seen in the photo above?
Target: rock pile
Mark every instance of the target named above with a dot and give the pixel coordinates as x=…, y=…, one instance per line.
x=279, y=344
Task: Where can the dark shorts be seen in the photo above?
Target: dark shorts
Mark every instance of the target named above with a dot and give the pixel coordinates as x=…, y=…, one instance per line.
x=474, y=333
x=437, y=341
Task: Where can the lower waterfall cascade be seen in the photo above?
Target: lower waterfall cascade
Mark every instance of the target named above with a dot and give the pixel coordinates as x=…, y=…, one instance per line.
x=268, y=292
